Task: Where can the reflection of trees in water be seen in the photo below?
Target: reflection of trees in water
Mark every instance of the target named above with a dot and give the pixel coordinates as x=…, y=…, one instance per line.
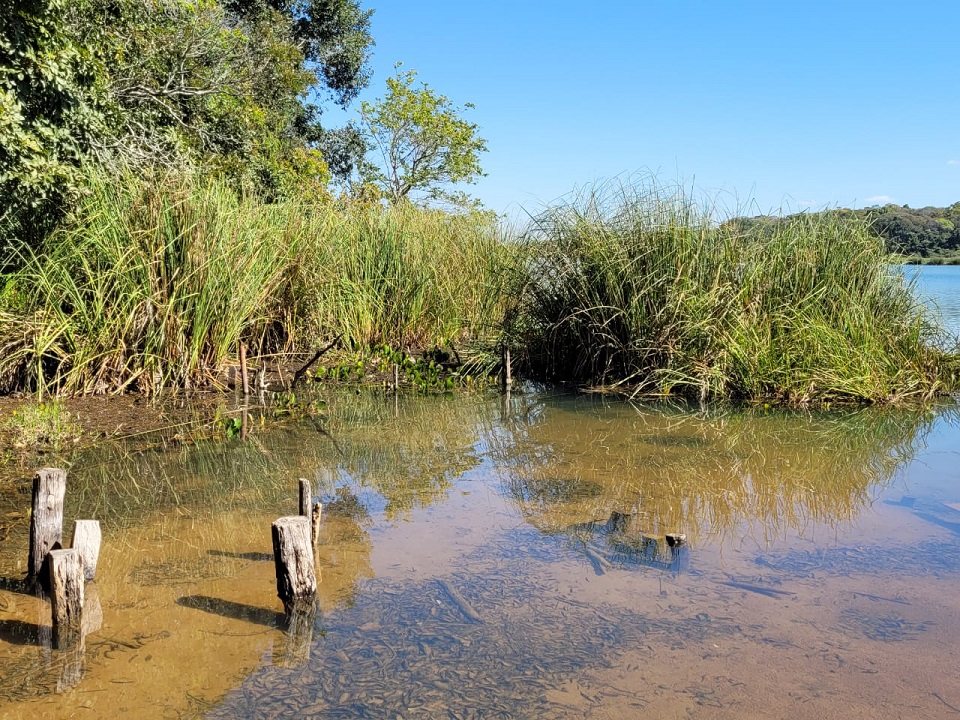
x=367, y=454
x=572, y=462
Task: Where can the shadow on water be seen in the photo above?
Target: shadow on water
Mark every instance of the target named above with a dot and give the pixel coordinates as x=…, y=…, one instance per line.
x=234, y=610
x=18, y=632
x=252, y=556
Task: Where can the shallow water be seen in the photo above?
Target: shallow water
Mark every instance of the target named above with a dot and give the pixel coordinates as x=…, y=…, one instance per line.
x=485, y=558
x=939, y=286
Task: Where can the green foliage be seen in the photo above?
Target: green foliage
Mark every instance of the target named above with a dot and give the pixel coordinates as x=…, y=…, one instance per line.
x=194, y=85
x=153, y=282
x=646, y=292
x=406, y=277
x=43, y=425
x=422, y=142
x=49, y=110
x=927, y=233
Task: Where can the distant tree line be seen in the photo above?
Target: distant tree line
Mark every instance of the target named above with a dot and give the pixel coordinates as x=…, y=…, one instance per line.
x=925, y=235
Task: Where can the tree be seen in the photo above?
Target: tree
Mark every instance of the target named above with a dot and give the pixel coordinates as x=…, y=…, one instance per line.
x=231, y=87
x=421, y=141
x=49, y=111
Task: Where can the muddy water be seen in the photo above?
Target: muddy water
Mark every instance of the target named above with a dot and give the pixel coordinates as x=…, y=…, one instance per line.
x=494, y=559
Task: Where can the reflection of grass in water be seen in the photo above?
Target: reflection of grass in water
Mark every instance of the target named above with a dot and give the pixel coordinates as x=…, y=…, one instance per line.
x=702, y=473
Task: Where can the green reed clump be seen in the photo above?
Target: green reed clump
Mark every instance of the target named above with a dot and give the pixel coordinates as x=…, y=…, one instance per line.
x=644, y=290
x=154, y=283
x=151, y=283
x=410, y=277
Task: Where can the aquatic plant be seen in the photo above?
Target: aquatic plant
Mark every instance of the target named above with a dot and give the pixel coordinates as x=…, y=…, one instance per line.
x=642, y=289
x=155, y=282
x=42, y=425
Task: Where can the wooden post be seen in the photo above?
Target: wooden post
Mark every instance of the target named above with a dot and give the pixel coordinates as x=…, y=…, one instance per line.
x=293, y=559
x=243, y=369
x=310, y=509
x=46, y=519
x=316, y=515
x=507, y=374
x=66, y=596
x=306, y=494
x=294, y=650
x=396, y=377
x=86, y=539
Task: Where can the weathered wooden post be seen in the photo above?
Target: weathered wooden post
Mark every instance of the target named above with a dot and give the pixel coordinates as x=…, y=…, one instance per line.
x=293, y=559
x=396, y=378
x=66, y=596
x=243, y=369
x=46, y=518
x=310, y=509
x=507, y=371
x=86, y=539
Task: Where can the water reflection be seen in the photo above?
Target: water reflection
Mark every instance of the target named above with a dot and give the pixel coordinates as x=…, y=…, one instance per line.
x=579, y=466
x=531, y=494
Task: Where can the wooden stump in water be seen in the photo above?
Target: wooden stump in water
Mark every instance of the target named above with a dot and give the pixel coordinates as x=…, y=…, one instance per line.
x=46, y=519
x=293, y=559
x=66, y=596
x=507, y=370
x=311, y=509
x=86, y=539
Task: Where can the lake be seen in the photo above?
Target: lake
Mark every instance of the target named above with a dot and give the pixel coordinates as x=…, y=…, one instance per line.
x=940, y=286
x=489, y=557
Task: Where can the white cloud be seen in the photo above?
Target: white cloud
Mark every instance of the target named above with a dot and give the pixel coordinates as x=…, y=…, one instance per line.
x=879, y=200
x=953, y=162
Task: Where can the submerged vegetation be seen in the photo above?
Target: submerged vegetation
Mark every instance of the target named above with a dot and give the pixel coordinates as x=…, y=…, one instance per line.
x=154, y=282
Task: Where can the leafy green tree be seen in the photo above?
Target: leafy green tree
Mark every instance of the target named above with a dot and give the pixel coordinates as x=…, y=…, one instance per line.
x=421, y=142
x=49, y=111
x=231, y=87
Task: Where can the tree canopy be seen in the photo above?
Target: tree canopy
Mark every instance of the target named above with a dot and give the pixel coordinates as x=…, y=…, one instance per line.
x=420, y=140
x=235, y=87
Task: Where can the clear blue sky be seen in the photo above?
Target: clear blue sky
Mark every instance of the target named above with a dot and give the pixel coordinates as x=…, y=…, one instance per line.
x=784, y=103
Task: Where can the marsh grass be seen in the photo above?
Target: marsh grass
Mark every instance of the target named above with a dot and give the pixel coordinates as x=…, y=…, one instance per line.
x=641, y=289
x=153, y=283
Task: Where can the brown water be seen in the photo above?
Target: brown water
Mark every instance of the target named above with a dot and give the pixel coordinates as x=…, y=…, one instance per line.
x=484, y=559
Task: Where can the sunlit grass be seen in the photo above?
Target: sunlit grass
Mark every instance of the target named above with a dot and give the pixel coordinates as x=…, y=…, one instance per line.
x=641, y=288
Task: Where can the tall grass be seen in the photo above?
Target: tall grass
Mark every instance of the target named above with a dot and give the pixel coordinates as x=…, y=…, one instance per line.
x=643, y=289
x=154, y=282
x=408, y=277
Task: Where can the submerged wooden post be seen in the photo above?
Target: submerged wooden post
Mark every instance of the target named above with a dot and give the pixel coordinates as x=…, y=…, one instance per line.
x=293, y=559
x=66, y=596
x=310, y=509
x=507, y=373
x=46, y=518
x=86, y=539
x=306, y=493
x=243, y=369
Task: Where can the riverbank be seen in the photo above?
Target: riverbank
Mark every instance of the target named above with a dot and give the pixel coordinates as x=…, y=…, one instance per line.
x=154, y=285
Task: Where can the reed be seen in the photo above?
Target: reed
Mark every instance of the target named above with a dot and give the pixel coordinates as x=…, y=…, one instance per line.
x=641, y=289
x=153, y=283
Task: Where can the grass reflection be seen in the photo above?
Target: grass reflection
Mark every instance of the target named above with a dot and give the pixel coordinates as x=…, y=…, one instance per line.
x=571, y=462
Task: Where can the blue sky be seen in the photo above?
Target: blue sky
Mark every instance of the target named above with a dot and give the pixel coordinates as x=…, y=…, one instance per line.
x=779, y=103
